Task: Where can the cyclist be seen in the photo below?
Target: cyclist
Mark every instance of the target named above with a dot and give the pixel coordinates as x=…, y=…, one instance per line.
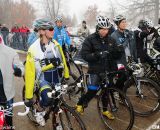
x=10, y=65
x=100, y=51
x=125, y=39
x=83, y=31
x=60, y=33
x=145, y=29
x=43, y=52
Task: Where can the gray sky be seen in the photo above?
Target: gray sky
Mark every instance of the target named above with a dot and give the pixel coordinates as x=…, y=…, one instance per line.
x=78, y=6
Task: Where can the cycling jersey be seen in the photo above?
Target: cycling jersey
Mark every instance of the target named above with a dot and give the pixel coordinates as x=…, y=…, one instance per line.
x=61, y=36
x=34, y=62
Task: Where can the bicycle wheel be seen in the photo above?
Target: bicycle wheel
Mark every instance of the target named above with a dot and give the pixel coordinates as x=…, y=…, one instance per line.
x=74, y=71
x=145, y=97
x=119, y=105
x=69, y=119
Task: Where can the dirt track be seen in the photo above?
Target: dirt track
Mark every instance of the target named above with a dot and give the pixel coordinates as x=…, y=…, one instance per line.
x=90, y=117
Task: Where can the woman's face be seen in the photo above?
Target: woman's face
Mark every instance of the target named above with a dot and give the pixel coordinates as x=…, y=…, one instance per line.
x=48, y=33
x=123, y=25
x=59, y=23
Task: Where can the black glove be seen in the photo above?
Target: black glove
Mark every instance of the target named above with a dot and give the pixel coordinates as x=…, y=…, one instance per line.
x=72, y=48
x=29, y=102
x=153, y=30
x=102, y=54
x=56, y=62
x=17, y=72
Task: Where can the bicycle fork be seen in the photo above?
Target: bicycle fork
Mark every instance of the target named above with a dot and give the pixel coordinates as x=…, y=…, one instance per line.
x=138, y=87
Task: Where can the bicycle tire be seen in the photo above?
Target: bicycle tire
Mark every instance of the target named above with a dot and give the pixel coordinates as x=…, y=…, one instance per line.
x=74, y=70
x=118, y=113
x=66, y=115
x=139, y=101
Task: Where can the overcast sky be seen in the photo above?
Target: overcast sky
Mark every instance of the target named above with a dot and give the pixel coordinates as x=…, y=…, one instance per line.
x=78, y=6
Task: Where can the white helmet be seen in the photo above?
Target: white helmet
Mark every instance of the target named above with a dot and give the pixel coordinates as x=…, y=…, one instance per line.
x=117, y=19
x=148, y=23
x=103, y=22
x=58, y=18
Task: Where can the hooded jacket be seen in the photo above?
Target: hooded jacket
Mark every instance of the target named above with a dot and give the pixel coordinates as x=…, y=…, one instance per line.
x=8, y=60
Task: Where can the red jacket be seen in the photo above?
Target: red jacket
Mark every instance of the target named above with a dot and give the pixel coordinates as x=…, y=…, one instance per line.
x=15, y=29
x=24, y=30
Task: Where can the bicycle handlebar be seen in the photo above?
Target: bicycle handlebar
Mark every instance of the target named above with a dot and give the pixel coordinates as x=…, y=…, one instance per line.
x=59, y=88
x=21, y=104
x=8, y=111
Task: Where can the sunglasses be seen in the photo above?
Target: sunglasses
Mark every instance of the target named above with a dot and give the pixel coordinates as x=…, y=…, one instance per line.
x=50, y=29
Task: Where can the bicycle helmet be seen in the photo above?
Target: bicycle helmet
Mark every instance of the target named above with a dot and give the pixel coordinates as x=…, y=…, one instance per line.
x=42, y=24
x=147, y=23
x=103, y=22
x=117, y=19
x=84, y=22
x=58, y=18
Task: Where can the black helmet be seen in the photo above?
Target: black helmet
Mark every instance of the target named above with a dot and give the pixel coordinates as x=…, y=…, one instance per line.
x=84, y=22
x=147, y=23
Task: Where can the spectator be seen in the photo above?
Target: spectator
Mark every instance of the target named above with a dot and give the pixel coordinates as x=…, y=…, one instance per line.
x=15, y=29
x=16, y=37
x=24, y=29
x=83, y=30
x=24, y=34
x=5, y=32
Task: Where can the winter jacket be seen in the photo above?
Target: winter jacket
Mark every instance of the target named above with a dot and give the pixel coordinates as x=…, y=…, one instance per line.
x=8, y=60
x=127, y=40
x=92, y=46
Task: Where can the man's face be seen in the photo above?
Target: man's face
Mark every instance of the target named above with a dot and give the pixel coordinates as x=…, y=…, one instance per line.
x=59, y=23
x=84, y=24
x=103, y=32
x=123, y=25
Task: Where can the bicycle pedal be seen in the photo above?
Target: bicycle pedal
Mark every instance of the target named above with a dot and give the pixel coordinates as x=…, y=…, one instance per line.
x=114, y=109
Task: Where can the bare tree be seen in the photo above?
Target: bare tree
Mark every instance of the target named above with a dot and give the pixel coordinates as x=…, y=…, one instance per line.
x=16, y=12
x=90, y=15
x=52, y=8
x=140, y=9
x=74, y=20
